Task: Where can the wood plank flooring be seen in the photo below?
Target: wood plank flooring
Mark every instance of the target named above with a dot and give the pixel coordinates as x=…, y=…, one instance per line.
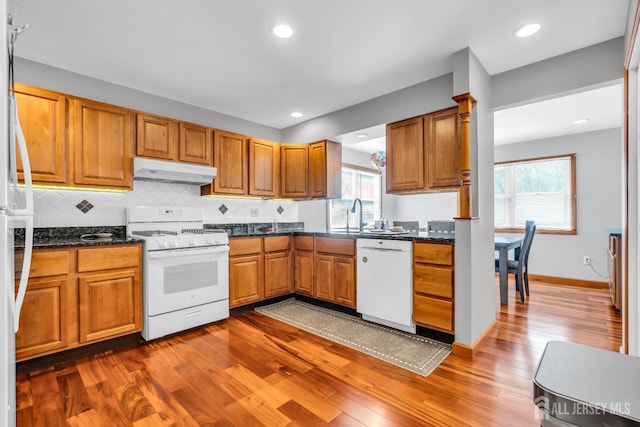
x=253, y=370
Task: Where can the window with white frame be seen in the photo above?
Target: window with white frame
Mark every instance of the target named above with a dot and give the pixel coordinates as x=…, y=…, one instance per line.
x=541, y=189
x=357, y=182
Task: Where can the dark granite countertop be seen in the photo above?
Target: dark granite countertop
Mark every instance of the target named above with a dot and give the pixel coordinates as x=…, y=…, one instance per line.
x=422, y=236
x=297, y=229
x=68, y=237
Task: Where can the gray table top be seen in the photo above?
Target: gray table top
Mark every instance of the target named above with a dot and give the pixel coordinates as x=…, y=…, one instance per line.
x=598, y=378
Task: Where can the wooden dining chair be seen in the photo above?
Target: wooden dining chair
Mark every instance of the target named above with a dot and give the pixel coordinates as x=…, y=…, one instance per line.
x=520, y=266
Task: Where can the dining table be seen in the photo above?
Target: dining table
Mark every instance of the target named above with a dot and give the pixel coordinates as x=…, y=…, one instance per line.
x=503, y=245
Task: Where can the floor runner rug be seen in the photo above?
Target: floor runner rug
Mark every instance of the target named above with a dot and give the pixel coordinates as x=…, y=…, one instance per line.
x=412, y=352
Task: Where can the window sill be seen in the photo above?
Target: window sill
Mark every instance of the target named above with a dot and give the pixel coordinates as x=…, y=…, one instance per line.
x=538, y=231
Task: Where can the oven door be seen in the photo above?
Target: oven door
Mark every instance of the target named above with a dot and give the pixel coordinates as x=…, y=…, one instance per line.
x=182, y=278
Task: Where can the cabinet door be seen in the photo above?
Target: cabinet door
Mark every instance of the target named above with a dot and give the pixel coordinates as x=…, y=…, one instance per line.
x=42, y=116
x=303, y=272
x=325, y=169
x=110, y=304
x=433, y=313
x=294, y=174
x=277, y=274
x=43, y=319
x=156, y=137
x=344, y=281
x=196, y=144
x=264, y=168
x=405, y=155
x=443, y=149
x=323, y=277
x=317, y=169
x=246, y=280
x=230, y=156
x=103, y=144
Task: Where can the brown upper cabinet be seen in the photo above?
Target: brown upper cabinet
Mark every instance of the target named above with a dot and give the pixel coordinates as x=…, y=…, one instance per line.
x=43, y=116
x=156, y=137
x=294, y=174
x=264, y=168
x=168, y=139
x=230, y=157
x=405, y=155
x=423, y=153
x=80, y=142
x=442, y=140
x=325, y=169
x=311, y=170
x=73, y=141
x=103, y=136
x=196, y=144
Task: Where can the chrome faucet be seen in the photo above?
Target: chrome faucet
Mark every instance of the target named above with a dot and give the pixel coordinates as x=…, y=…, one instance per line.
x=353, y=210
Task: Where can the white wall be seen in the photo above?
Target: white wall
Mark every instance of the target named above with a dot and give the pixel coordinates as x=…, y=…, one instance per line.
x=599, y=202
x=572, y=72
x=57, y=208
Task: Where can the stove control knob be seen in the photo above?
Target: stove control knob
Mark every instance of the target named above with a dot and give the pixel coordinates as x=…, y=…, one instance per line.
x=163, y=244
x=192, y=242
x=173, y=243
x=211, y=241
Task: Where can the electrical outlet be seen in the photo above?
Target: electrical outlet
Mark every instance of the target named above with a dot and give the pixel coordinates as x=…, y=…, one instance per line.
x=254, y=212
x=586, y=260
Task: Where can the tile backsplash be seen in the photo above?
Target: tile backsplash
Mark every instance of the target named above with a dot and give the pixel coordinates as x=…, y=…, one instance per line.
x=59, y=208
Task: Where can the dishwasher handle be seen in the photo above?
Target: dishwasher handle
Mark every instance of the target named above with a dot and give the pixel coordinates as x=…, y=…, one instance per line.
x=383, y=249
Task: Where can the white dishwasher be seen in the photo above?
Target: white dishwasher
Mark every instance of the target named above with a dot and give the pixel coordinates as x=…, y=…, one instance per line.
x=384, y=282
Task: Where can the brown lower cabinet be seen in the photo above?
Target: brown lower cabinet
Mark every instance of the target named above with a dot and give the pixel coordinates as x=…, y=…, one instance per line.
x=433, y=286
x=259, y=268
x=303, y=265
x=79, y=296
x=334, y=274
x=263, y=267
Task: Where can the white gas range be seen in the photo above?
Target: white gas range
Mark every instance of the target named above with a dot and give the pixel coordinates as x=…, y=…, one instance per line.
x=185, y=269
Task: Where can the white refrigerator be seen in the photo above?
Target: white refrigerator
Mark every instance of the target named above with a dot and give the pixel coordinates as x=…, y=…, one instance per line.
x=16, y=212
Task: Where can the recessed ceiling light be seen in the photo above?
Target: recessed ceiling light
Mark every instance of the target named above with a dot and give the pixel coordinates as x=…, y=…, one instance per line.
x=361, y=135
x=296, y=114
x=282, y=30
x=580, y=121
x=527, y=30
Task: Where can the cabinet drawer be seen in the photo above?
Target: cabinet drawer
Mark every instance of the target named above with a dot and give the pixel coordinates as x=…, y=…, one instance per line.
x=245, y=246
x=303, y=243
x=97, y=259
x=277, y=243
x=433, y=280
x=336, y=246
x=433, y=313
x=45, y=263
x=433, y=253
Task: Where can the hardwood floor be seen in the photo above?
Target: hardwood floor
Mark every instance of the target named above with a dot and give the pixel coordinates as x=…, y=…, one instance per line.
x=253, y=370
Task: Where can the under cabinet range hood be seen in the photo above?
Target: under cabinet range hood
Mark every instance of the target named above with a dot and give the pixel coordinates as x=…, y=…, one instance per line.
x=177, y=172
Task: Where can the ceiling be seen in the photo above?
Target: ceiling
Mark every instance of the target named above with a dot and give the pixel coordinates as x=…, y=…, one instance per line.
x=601, y=108
x=220, y=55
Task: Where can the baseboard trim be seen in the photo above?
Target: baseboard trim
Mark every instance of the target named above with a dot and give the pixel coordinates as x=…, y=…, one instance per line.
x=594, y=284
x=466, y=351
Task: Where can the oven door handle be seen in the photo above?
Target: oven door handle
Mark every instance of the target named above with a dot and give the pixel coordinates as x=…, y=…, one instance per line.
x=175, y=253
